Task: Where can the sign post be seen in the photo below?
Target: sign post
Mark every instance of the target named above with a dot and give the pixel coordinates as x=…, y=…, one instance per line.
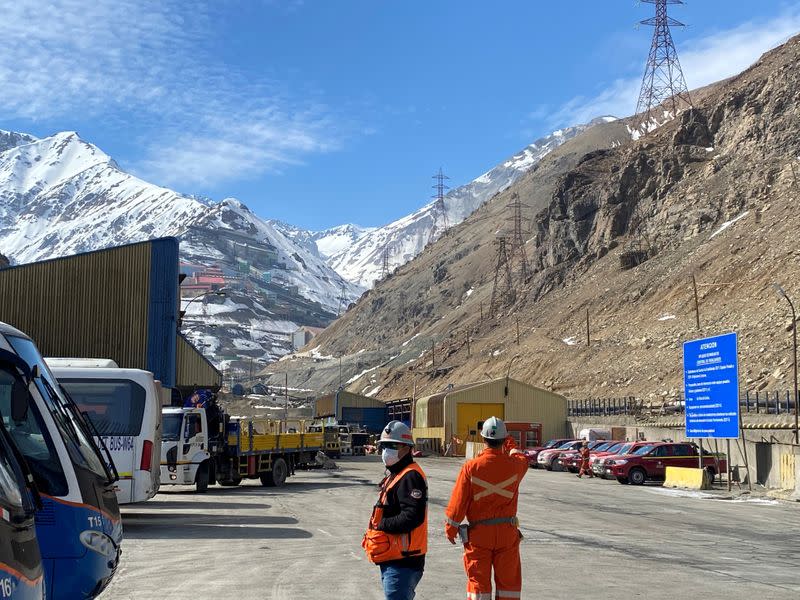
x=711, y=389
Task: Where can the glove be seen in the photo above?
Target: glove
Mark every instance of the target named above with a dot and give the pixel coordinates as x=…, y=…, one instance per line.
x=509, y=445
x=451, y=533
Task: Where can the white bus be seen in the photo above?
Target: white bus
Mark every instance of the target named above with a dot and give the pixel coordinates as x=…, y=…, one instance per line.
x=125, y=407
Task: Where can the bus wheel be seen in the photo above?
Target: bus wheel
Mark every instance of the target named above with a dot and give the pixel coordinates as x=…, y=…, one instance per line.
x=277, y=476
x=201, y=479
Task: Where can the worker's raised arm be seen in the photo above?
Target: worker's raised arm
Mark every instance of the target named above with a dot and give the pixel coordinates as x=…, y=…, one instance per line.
x=510, y=447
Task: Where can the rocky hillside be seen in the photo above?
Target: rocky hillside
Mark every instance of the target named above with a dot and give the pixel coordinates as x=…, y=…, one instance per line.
x=618, y=229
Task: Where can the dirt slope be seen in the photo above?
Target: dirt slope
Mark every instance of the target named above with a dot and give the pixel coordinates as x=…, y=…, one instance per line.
x=663, y=199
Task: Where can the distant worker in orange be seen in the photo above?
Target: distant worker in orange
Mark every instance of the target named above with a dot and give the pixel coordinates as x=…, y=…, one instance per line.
x=486, y=493
x=584, y=457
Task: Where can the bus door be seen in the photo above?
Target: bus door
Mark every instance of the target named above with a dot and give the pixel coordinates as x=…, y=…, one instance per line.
x=21, y=572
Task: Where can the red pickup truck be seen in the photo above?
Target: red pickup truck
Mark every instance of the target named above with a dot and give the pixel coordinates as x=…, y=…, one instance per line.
x=570, y=460
x=533, y=453
x=651, y=462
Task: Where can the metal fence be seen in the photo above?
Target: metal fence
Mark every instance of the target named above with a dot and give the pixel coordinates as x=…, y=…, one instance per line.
x=752, y=402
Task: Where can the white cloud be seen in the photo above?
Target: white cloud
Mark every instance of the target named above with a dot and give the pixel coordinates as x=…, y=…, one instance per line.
x=145, y=63
x=704, y=61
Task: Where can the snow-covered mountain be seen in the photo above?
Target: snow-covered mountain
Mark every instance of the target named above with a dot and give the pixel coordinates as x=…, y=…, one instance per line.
x=327, y=243
x=61, y=195
x=357, y=253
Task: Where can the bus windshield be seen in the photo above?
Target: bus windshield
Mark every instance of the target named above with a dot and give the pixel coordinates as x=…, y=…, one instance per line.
x=115, y=406
x=82, y=449
x=171, y=426
x=33, y=440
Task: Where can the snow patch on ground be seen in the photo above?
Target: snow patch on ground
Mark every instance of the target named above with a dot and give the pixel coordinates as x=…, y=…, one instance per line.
x=727, y=224
x=407, y=342
x=356, y=377
x=666, y=317
x=570, y=341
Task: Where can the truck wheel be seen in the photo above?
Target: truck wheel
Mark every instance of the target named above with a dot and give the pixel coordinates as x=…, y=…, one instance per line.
x=712, y=473
x=637, y=476
x=201, y=479
x=549, y=466
x=277, y=476
x=623, y=480
x=231, y=482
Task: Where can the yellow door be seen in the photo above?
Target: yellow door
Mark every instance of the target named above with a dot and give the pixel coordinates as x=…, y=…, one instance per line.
x=467, y=418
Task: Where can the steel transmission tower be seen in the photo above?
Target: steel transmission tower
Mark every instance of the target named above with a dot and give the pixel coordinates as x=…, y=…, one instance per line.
x=663, y=82
x=518, y=253
x=503, y=292
x=439, y=211
x=385, y=262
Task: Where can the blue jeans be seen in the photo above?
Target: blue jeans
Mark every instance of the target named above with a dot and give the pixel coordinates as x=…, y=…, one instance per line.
x=399, y=583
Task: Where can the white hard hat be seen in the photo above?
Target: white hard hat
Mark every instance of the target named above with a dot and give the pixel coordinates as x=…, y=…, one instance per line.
x=494, y=429
x=396, y=432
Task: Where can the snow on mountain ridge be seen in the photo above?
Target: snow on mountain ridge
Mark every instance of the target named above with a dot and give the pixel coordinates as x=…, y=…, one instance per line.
x=362, y=260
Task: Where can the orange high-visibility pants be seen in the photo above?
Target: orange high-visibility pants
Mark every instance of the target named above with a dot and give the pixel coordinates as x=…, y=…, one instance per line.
x=585, y=468
x=478, y=563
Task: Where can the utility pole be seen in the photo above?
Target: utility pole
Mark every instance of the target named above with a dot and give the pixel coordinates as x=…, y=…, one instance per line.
x=588, y=341
x=468, y=348
x=781, y=292
x=433, y=353
x=286, y=398
x=340, y=372
x=696, y=302
x=517, y=316
x=439, y=208
x=663, y=82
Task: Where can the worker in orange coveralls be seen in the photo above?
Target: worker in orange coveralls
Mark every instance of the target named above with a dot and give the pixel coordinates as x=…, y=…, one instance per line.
x=486, y=493
x=584, y=456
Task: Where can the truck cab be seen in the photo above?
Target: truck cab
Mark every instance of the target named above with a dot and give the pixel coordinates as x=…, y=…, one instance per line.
x=185, y=449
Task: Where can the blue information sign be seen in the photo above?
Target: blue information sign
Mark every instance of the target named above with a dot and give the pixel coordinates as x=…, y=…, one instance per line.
x=711, y=387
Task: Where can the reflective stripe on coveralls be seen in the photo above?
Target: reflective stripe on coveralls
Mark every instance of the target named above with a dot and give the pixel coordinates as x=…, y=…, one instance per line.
x=486, y=493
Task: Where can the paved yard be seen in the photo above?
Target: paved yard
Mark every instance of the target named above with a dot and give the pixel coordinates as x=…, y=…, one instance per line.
x=582, y=538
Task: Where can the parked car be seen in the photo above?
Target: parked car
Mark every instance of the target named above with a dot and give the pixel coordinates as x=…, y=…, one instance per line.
x=650, y=462
x=570, y=460
x=547, y=458
x=533, y=453
x=598, y=462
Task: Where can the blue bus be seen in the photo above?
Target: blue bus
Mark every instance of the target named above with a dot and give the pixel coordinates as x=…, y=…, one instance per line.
x=79, y=527
x=21, y=573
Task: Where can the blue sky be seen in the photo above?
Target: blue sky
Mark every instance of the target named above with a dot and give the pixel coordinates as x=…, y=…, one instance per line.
x=321, y=112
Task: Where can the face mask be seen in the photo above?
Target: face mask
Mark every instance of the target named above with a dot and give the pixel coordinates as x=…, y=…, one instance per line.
x=389, y=456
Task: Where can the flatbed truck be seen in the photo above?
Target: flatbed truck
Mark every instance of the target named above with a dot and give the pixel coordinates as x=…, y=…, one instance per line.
x=204, y=445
